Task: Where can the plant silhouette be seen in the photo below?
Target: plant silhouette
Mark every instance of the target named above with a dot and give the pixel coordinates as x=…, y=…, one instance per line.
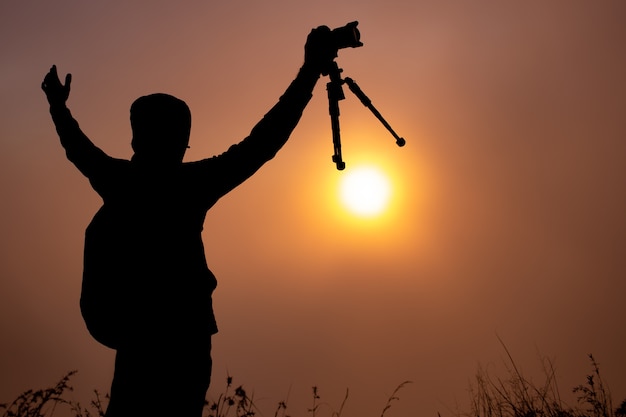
x=146, y=289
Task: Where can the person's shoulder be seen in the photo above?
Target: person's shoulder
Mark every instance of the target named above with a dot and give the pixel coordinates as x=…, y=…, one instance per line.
x=200, y=164
x=119, y=163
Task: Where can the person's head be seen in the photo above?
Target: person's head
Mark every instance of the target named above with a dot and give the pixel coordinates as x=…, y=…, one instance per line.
x=161, y=124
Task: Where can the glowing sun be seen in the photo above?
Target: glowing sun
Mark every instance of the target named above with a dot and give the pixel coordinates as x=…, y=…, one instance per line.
x=365, y=191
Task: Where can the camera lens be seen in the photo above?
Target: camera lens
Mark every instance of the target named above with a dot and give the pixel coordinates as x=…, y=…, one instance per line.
x=347, y=36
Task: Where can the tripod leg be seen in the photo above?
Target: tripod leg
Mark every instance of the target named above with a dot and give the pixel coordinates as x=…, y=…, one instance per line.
x=333, y=108
x=335, y=93
x=368, y=103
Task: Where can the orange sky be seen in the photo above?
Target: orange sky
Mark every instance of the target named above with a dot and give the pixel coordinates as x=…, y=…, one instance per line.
x=508, y=215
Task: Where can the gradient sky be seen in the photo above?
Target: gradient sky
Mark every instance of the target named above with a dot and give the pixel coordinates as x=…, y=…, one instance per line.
x=507, y=217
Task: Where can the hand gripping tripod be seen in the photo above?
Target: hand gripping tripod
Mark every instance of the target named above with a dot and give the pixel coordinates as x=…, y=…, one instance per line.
x=335, y=93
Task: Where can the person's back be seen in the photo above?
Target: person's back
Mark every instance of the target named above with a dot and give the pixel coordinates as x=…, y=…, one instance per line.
x=146, y=285
x=144, y=261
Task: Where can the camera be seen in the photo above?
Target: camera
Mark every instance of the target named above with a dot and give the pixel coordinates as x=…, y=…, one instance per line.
x=347, y=36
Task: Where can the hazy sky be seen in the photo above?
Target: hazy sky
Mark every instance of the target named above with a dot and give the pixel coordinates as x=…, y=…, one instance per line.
x=507, y=216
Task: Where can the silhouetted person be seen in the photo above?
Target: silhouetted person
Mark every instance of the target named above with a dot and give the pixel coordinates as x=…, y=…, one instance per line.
x=146, y=288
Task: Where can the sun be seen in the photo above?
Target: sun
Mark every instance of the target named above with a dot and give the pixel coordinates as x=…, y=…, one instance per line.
x=365, y=191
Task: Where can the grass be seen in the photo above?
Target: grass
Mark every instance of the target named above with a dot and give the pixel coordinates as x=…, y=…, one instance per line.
x=516, y=396
x=44, y=402
x=512, y=396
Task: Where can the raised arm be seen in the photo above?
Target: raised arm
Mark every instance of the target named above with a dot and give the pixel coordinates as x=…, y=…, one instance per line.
x=270, y=133
x=79, y=149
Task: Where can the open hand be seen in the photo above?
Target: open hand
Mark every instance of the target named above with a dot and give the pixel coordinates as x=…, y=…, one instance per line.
x=56, y=92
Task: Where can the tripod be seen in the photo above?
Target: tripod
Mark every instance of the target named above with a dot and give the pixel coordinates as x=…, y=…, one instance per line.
x=335, y=93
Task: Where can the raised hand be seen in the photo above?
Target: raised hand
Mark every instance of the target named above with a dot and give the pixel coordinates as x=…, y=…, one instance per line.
x=319, y=51
x=56, y=93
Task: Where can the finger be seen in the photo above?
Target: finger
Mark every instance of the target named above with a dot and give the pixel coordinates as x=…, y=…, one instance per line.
x=68, y=80
x=52, y=76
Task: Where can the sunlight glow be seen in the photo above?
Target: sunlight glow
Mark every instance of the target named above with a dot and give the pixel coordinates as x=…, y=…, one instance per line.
x=365, y=191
